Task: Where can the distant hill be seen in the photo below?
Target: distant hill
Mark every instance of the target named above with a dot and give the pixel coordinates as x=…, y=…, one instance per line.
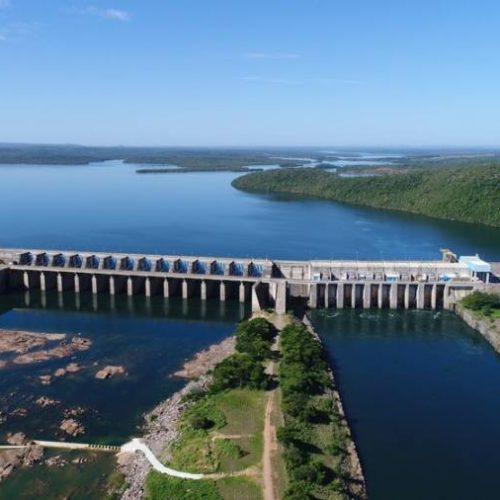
x=466, y=193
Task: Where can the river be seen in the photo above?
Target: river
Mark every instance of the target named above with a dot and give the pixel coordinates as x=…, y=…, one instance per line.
x=411, y=385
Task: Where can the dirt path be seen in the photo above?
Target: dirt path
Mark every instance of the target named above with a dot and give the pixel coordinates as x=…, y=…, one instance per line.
x=270, y=441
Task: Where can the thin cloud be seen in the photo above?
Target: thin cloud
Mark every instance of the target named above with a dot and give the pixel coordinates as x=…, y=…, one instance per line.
x=13, y=32
x=278, y=81
x=4, y=4
x=112, y=14
x=271, y=55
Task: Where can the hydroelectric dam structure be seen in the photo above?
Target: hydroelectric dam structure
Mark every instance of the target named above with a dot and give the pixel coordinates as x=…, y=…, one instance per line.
x=263, y=283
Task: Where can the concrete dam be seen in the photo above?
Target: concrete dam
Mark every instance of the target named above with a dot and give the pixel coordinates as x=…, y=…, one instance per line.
x=263, y=283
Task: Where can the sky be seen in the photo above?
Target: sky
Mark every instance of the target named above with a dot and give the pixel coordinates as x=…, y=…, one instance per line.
x=249, y=73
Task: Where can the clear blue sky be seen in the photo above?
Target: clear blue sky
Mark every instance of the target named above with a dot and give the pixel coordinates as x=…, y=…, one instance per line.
x=259, y=72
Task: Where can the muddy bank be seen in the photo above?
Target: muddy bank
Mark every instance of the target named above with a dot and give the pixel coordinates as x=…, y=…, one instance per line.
x=357, y=483
x=161, y=424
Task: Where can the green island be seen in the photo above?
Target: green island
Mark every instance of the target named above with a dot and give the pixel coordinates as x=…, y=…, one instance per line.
x=262, y=424
x=465, y=193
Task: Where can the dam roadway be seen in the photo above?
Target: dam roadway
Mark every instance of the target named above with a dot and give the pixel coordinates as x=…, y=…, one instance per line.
x=265, y=283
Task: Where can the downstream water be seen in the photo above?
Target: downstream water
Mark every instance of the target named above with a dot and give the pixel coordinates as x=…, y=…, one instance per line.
x=421, y=391
x=434, y=376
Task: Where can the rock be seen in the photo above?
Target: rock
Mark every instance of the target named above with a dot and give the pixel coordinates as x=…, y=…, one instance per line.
x=73, y=368
x=32, y=455
x=72, y=427
x=110, y=371
x=79, y=461
x=45, y=379
x=16, y=439
x=19, y=412
x=60, y=372
x=74, y=412
x=56, y=461
x=3, y=364
x=9, y=460
x=45, y=402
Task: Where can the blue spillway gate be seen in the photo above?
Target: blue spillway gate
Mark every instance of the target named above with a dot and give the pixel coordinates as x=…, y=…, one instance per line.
x=255, y=270
x=127, y=264
x=75, y=261
x=58, y=260
x=26, y=259
x=181, y=266
x=162, y=266
x=42, y=260
x=237, y=269
x=145, y=265
x=199, y=267
x=217, y=268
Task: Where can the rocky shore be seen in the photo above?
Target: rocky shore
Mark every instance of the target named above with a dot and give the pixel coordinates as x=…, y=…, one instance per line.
x=161, y=424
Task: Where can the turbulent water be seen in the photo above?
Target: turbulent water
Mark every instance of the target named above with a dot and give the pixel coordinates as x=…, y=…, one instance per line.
x=401, y=380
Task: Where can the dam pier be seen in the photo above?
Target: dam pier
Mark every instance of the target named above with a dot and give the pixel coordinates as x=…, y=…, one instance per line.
x=262, y=282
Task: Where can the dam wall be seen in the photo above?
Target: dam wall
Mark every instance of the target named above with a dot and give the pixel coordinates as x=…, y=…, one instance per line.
x=263, y=283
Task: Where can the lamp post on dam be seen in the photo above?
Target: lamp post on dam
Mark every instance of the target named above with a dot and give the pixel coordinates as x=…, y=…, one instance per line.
x=265, y=283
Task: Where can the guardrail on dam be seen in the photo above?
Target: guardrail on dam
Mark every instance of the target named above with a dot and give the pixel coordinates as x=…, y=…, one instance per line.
x=266, y=283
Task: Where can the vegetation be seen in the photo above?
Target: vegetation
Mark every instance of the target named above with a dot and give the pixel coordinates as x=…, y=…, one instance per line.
x=467, y=193
x=313, y=438
x=163, y=487
x=485, y=304
x=221, y=430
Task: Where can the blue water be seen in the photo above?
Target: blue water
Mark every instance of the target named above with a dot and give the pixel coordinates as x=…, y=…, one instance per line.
x=110, y=207
x=421, y=391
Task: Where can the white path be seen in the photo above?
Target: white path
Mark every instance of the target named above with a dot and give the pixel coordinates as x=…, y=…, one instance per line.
x=139, y=445
x=130, y=447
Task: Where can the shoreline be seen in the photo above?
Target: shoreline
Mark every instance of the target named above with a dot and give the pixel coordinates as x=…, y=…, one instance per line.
x=357, y=486
x=161, y=424
x=490, y=331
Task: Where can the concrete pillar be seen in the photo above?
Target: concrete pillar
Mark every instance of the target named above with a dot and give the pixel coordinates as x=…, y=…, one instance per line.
x=94, y=285
x=380, y=296
x=367, y=296
x=353, y=296
x=59, y=282
x=184, y=289
x=313, y=296
x=407, y=296
x=130, y=286
x=255, y=298
x=60, y=300
x=340, y=296
x=242, y=292
x=280, y=306
x=393, y=296
x=77, y=283
x=420, y=296
x=222, y=291
x=43, y=298
x=446, y=297
x=26, y=280
x=77, y=301
x=43, y=285
x=112, y=289
x=433, y=296
x=203, y=290
x=327, y=296
x=147, y=287
x=166, y=289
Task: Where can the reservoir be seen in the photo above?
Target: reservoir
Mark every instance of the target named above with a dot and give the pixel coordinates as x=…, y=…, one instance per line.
x=420, y=389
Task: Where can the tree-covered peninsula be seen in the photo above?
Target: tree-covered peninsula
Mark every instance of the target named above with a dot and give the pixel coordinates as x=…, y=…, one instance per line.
x=466, y=193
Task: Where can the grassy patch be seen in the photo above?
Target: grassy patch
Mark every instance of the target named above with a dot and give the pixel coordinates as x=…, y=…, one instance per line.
x=240, y=488
x=162, y=487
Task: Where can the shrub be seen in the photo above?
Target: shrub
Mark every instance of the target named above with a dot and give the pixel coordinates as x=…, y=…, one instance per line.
x=163, y=487
x=239, y=370
x=481, y=301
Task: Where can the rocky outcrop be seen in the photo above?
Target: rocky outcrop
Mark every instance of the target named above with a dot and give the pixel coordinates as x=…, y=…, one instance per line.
x=110, y=371
x=21, y=457
x=488, y=328
x=45, y=402
x=72, y=427
x=63, y=350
